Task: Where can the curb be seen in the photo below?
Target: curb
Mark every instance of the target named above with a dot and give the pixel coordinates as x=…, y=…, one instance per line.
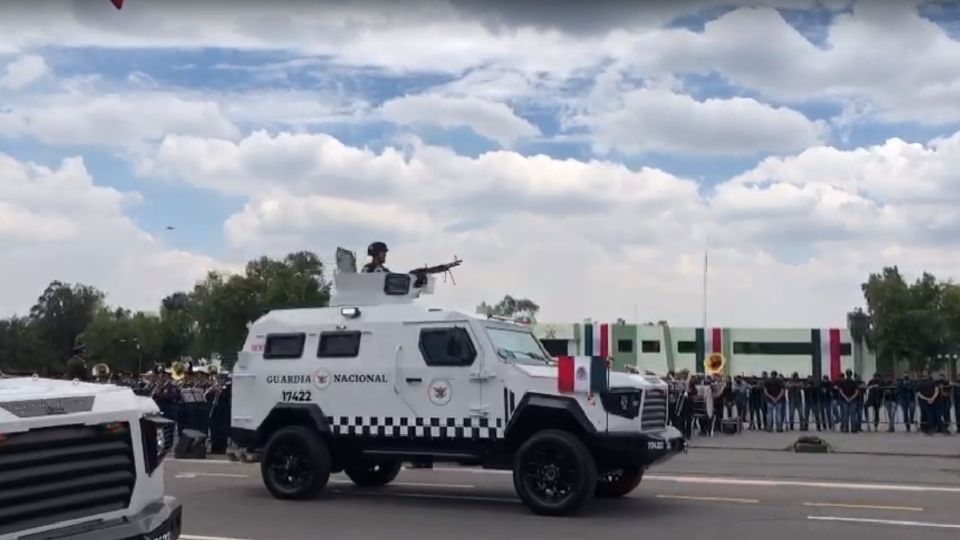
x=834, y=450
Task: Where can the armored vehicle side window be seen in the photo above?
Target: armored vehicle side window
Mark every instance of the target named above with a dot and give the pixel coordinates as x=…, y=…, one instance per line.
x=280, y=346
x=447, y=347
x=339, y=345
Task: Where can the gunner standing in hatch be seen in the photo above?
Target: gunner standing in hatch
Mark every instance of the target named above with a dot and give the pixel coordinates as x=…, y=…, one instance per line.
x=378, y=256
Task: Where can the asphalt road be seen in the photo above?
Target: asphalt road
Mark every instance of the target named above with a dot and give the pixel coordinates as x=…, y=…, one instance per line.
x=708, y=494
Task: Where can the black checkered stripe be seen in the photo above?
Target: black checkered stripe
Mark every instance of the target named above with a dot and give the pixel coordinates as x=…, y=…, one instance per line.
x=417, y=428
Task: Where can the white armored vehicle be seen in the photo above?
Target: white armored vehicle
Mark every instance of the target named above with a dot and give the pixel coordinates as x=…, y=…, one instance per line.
x=375, y=380
x=82, y=461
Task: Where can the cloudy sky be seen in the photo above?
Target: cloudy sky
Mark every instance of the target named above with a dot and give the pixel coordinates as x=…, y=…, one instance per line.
x=584, y=157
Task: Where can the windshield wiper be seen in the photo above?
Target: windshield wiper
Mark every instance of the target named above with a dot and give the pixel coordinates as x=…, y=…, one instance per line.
x=533, y=355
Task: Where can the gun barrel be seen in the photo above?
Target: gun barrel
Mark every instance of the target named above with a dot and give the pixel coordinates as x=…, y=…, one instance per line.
x=438, y=268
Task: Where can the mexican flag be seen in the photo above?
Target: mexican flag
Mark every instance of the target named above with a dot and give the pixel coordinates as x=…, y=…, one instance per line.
x=582, y=374
x=596, y=340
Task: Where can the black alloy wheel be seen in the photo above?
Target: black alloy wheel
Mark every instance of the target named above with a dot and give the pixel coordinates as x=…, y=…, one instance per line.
x=554, y=473
x=296, y=464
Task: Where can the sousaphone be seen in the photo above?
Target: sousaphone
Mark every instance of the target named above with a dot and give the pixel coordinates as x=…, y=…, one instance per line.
x=100, y=371
x=715, y=363
x=178, y=371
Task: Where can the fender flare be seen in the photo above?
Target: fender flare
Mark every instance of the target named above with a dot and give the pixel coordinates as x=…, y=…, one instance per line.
x=533, y=404
x=308, y=414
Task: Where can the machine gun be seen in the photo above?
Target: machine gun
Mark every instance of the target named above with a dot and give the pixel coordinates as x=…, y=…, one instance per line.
x=445, y=268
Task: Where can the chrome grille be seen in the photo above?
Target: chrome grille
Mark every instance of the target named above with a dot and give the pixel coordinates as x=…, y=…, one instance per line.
x=56, y=474
x=654, y=415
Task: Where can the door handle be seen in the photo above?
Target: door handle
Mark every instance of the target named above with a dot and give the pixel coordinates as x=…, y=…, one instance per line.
x=413, y=380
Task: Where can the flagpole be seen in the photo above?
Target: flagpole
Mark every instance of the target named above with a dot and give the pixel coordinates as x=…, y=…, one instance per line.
x=705, y=268
x=636, y=314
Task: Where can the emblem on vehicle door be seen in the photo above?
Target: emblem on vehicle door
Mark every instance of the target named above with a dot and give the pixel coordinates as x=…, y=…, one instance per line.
x=440, y=391
x=322, y=379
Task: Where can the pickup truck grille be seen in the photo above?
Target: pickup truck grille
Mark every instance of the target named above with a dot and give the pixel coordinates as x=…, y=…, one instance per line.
x=55, y=474
x=654, y=415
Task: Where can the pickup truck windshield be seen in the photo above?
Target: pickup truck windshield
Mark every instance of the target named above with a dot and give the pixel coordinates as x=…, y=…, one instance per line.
x=518, y=346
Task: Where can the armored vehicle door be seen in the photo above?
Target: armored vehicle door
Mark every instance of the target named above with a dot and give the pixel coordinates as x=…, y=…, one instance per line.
x=436, y=373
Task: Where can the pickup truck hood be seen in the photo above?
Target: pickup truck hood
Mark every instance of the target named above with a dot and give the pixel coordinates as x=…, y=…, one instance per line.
x=23, y=388
x=29, y=402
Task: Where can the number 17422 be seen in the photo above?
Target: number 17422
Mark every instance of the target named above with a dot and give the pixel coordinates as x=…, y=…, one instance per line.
x=296, y=395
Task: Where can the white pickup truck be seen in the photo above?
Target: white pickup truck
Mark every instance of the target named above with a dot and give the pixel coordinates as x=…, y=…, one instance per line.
x=81, y=461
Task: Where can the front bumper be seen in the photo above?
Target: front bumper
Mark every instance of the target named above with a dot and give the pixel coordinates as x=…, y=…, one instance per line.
x=161, y=520
x=639, y=449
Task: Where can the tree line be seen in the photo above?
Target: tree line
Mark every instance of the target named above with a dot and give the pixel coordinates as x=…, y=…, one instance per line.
x=914, y=325
x=210, y=319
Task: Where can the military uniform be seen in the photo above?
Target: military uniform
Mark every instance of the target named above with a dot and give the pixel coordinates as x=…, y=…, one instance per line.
x=371, y=267
x=378, y=255
x=77, y=368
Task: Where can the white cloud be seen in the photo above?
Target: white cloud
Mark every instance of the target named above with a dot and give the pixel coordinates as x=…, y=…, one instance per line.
x=23, y=71
x=594, y=238
x=448, y=183
x=883, y=194
x=659, y=120
x=117, y=119
x=502, y=51
x=496, y=121
x=883, y=52
x=57, y=224
x=585, y=237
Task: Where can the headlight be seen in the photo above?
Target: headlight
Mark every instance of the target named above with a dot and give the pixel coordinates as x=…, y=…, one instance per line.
x=623, y=402
x=157, y=435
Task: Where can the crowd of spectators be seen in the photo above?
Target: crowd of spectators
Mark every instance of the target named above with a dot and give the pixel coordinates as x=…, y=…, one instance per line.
x=773, y=402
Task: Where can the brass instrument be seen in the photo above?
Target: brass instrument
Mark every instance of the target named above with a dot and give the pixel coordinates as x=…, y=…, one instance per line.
x=178, y=371
x=100, y=371
x=715, y=363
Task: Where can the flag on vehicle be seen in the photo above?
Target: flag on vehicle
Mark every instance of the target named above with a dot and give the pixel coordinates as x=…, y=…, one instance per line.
x=582, y=374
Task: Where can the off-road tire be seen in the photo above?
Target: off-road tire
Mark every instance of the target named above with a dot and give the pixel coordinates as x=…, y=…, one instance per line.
x=618, y=483
x=553, y=461
x=296, y=463
x=366, y=473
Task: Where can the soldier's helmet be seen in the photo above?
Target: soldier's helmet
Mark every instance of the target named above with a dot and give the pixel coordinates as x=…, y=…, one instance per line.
x=376, y=247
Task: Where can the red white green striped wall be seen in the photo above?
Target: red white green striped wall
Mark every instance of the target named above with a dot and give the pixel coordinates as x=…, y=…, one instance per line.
x=709, y=341
x=826, y=352
x=595, y=340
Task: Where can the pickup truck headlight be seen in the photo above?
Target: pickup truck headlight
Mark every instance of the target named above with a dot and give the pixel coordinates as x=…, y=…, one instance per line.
x=157, y=434
x=623, y=402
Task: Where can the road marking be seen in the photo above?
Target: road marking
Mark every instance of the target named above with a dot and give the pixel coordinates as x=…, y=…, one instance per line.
x=195, y=537
x=464, y=469
x=797, y=483
x=710, y=499
x=414, y=484
x=732, y=481
x=458, y=497
x=429, y=496
x=887, y=522
x=213, y=475
x=864, y=506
